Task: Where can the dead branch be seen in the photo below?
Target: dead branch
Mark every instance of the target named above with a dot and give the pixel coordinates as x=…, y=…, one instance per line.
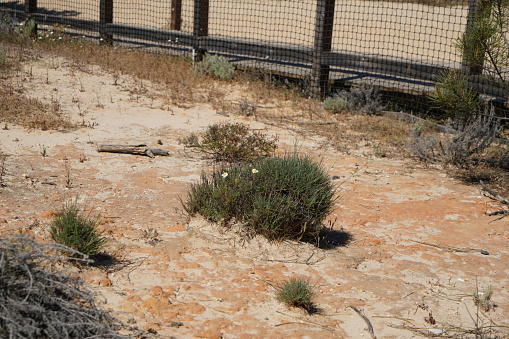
x=370, y=327
x=449, y=248
x=492, y=195
x=37, y=301
x=141, y=149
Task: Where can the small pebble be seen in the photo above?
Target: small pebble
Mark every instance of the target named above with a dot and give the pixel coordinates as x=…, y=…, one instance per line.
x=485, y=252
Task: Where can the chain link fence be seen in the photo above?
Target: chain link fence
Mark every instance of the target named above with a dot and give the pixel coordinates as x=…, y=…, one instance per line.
x=399, y=47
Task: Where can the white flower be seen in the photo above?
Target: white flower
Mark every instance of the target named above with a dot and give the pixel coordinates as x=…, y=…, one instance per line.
x=254, y=170
x=224, y=175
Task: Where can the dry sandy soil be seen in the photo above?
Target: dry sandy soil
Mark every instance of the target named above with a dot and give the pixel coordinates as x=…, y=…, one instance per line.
x=412, y=236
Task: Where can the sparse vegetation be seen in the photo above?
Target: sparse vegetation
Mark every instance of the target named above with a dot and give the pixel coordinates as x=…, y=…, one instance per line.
x=296, y=292
x=234, y=142
x=246, y=107
x=77, y=231
x=483, y=299
x=363, y=99
x=281, y=198
x=191, y=140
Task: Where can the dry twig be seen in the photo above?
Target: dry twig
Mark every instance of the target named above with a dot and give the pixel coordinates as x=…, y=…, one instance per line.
x=370, y=327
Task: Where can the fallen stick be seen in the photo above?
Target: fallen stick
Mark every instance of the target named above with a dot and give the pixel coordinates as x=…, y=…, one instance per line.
x=370, y=327
x=140, y=149
x=493, y=195
x=448, y=248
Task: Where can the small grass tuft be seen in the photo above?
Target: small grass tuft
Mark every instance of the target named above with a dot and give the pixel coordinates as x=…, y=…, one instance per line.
x=77, y=231
x=296, y=292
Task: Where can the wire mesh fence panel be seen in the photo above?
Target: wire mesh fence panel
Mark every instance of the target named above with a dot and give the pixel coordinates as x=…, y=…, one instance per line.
x=265, y=33
x=395, y=44
x=410, y=31
x=155, y=14
x=72, y=13
x=268, y=21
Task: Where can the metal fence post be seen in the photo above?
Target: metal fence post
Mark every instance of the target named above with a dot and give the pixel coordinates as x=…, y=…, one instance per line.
x=176, y=14
x=105, y=18
x=30, y=9
x=323, y=43
x=200, y=26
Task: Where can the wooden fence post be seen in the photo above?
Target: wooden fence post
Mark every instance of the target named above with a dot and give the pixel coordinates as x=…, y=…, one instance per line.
x=323, y=43
x=200, y=26
x=176, y=15
x=31, y=8
x=105, y=18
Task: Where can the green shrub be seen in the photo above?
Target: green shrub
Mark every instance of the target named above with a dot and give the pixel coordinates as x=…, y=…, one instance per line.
x=296, y=292
x=77, y=231
x=281, y=198
x=335, y=104
x=235, y=143
x=218, y=66
x=453, y=94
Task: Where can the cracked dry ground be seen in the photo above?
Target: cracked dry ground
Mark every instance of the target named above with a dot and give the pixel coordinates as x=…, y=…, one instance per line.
x=188, y=278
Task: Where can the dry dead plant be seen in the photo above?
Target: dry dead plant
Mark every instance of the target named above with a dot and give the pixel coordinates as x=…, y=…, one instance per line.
x=40, y=299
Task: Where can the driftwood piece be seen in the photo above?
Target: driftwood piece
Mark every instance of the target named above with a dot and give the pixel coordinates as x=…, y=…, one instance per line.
x=140, y=149
x=492, y=195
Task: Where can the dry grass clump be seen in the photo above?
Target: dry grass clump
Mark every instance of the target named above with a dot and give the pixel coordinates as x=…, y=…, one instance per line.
x=16, y=108
x=38, y=301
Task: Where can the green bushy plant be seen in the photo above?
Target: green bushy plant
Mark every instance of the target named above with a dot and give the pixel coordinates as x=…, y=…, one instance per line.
x=453, y=94
x=296, y=292
x=27, y=29
x=281, y=198
x=335, y=104
x=218, y=66
x=236, y=143
x=77, y=231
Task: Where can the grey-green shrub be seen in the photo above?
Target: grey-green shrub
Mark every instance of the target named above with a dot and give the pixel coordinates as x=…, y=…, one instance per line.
x=218, y=66
x=285, y=197
x=335, y=104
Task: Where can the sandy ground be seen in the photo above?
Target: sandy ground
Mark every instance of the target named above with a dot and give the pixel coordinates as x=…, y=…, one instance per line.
x=413, y=258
